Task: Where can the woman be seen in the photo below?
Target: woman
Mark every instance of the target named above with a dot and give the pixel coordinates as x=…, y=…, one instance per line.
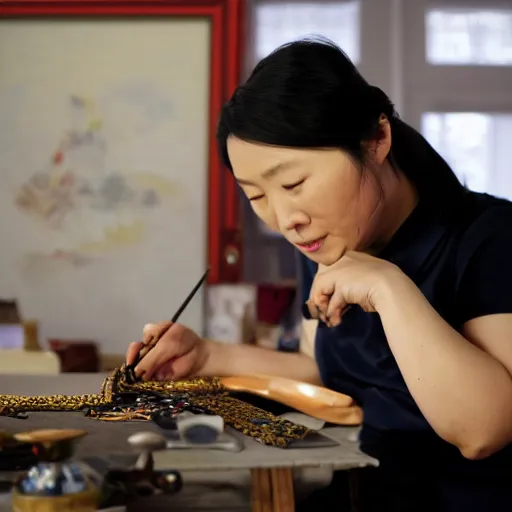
x=408, y=272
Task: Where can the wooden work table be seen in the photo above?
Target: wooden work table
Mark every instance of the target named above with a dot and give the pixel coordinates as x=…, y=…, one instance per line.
x=271, y=469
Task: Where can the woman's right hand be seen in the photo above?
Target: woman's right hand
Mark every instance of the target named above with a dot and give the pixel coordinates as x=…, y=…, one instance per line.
x=179, y=354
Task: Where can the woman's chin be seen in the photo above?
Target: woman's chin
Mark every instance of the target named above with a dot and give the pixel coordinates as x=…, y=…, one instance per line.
x=327, y=258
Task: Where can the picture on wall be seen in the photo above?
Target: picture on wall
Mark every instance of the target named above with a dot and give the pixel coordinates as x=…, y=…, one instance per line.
x=107, y=167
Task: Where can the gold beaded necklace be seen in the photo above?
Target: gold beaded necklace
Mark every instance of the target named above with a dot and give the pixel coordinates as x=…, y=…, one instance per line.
x=203, y=393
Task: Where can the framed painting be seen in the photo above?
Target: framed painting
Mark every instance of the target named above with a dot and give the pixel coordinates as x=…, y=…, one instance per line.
x=115, y=194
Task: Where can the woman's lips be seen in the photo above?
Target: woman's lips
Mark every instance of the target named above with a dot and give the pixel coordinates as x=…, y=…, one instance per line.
x=313, y=246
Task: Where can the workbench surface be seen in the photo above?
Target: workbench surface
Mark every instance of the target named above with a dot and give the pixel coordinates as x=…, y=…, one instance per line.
x=110, y=438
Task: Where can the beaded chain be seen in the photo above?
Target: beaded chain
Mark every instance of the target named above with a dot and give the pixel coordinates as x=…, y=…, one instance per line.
x=122, y=399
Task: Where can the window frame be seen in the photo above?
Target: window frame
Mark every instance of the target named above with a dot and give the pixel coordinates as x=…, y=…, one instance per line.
x=449, y=88
x=374, y=41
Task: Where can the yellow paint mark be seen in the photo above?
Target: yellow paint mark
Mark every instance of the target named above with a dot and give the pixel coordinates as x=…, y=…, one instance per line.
x=153, y=181
x=95, y=125
x=120, y=236
x=55, y=178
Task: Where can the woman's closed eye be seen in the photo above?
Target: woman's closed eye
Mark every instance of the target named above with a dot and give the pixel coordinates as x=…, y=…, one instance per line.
x=290, y=186
x=293, y=185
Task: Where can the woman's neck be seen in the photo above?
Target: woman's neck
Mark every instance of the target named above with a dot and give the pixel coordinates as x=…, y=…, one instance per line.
x=400, y=200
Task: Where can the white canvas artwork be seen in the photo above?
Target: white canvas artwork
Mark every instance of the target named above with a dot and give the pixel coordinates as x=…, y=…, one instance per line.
x=104, y=162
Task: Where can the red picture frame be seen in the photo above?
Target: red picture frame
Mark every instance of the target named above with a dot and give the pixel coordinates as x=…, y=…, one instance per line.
x=227, y=22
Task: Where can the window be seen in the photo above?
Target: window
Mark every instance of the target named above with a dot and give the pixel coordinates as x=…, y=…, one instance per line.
x=282, y=22
x=456, y=89
x=476, y=147
x=476, y=37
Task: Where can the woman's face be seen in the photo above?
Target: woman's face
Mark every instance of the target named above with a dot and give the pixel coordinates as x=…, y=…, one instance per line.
x=320, y=200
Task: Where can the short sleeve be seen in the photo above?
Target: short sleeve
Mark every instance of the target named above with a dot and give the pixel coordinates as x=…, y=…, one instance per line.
x=485, y=266
x=307, y=271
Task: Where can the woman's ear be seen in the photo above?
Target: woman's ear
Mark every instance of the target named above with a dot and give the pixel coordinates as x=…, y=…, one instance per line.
x=379, y=147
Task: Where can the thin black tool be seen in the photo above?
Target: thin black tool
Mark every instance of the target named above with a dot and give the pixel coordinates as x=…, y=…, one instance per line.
x=130, y=368
x=189, y=298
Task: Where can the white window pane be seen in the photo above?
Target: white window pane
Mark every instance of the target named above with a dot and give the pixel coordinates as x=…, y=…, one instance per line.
x=283, y=22
x=476, y=147
x=474, y=37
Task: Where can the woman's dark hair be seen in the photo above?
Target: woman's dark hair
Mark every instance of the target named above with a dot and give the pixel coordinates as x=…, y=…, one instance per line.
x=308, y=94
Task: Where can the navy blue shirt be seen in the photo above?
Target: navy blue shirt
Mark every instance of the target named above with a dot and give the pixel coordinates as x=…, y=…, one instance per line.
x=463, y=266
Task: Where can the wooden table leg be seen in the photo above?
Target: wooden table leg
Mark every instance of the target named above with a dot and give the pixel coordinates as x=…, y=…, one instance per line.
x=272, y=490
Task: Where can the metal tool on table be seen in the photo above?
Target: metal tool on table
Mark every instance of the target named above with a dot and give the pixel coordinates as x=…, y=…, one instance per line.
x=123, y=485
x=225, y=442
x=126, y=479
x=193, y=431
x=130, y=369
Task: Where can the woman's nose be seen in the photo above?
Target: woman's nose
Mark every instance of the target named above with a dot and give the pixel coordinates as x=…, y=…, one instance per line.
x=295, y=220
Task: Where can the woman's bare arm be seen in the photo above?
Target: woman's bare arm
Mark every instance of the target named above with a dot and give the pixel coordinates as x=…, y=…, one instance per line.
x=226, y=360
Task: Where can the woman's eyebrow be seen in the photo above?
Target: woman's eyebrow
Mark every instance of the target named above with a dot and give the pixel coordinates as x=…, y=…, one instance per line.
x=271, y=171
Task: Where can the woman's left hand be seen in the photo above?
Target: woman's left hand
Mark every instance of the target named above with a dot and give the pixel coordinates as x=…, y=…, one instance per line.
x=356, y=278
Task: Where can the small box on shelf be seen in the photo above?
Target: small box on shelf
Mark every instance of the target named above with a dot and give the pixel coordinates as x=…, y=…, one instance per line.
x=16, y=333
